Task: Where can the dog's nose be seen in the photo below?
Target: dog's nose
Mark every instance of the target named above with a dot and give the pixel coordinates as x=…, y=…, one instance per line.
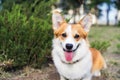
x=69, y=46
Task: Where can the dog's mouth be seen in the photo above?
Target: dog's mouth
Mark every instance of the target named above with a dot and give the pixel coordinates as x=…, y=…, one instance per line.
x=69, y=54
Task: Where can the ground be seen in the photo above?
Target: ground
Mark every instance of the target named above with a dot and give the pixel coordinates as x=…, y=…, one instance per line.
x=112, y=57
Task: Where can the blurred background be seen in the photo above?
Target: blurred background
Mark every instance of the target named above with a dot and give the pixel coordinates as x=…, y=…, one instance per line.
x=104, y=12
x=26, y=36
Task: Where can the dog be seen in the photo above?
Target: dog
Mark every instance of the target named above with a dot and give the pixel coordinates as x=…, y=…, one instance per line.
x=71, y=54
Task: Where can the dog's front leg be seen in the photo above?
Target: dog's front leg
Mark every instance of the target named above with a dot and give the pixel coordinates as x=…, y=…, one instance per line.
x=62, y=78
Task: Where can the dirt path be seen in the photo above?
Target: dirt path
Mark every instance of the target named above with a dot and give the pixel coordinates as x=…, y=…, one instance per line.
x=50, y=73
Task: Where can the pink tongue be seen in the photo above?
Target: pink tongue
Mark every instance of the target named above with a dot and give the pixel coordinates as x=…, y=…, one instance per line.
x=68, y=56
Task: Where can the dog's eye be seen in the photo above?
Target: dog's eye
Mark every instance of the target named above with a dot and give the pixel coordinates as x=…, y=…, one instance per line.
x=76, y=36
x=64, y=35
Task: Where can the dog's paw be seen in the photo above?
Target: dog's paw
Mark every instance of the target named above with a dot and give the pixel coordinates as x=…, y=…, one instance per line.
x=97, y=73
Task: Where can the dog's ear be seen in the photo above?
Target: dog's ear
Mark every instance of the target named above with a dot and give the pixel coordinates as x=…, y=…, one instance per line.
x=86, y=22
x=57, y=19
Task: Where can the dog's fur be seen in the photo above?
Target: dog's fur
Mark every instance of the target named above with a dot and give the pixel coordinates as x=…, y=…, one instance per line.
x=85, y=62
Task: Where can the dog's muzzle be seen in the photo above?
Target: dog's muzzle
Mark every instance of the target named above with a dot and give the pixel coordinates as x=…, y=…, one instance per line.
x=69, y=47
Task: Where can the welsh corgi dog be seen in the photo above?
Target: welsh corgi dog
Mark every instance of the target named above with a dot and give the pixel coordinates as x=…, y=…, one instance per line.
x=71, y=54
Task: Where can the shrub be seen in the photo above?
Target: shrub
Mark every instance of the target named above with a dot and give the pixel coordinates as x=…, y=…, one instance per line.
x=118, y=23
x=26, y=40
x=118, y=37
x=118, y=47
x=100, y=45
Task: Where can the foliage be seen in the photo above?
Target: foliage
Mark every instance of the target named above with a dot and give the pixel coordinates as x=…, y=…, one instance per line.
x=118, y=47
x=71, y=4
x=26, y=39
x=117, y=4
x=98, y=2
x=100, y=45
x=118, y=23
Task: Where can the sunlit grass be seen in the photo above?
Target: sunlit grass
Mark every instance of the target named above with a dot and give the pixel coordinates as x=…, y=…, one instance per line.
x=106, y=33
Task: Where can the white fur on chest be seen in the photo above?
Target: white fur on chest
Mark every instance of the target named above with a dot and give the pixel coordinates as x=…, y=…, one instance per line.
x=75, y=71
x=72, y=71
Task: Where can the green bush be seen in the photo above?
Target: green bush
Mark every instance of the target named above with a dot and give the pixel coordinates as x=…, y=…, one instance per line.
x=118, y=23
x=118, y=37
x=26, y=40
x=100, y=45
x=118, y=47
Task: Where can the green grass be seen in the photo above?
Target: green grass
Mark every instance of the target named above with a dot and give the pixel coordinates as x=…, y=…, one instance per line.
x=106, y=33
x=117, y=36
x=100, y=33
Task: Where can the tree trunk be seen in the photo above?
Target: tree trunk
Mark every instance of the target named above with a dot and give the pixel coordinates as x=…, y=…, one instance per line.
x=108, y=11
x=116, y=18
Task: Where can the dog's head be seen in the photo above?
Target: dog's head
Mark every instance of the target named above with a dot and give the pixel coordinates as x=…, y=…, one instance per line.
x=70, y=36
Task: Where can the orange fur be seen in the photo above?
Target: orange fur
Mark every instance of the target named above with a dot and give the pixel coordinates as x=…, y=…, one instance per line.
x=60, y=30
x=80, y=30
x=98, y=61
x=76, y=28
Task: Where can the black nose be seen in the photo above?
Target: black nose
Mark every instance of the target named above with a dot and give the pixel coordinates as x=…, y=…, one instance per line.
x=69, y=46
